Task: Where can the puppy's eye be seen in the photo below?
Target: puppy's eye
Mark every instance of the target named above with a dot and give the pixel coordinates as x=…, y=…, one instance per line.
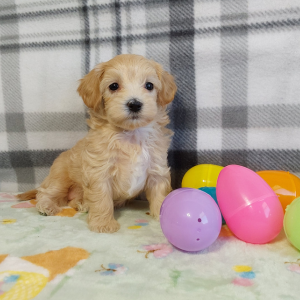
x=149, y=86
x=114, y=86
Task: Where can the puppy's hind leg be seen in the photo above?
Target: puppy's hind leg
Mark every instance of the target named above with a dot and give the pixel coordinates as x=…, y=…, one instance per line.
x=53, y=191
x=75, y=198
x=46, y=206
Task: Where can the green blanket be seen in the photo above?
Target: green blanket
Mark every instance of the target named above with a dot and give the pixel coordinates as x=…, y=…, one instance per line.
x=60, y=258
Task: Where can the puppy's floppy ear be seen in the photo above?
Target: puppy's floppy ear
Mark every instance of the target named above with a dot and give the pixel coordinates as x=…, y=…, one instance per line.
x=89, y=87
x=168, y=87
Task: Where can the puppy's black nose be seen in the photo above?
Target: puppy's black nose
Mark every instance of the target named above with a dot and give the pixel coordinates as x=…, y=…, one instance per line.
x=134, y=105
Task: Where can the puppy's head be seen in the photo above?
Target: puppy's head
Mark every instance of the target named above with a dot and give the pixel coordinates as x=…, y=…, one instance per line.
x=128, y=89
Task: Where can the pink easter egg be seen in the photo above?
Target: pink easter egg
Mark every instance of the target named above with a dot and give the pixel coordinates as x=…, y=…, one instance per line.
x=251, y=209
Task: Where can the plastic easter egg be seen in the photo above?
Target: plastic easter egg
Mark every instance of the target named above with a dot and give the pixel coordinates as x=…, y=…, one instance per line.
x=285, y=185
x=250, y=207
x=211, y=191
x=291, y=223
x=190, y=219
x=201, y=176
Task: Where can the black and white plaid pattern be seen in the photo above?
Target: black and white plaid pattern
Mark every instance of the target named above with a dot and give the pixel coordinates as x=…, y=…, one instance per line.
x=236, y=64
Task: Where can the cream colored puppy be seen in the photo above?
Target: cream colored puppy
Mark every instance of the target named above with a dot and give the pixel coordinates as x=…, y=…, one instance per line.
x=125, y=151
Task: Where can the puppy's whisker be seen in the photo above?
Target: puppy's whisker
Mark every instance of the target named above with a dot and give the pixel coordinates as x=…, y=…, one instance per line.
x=133, y=117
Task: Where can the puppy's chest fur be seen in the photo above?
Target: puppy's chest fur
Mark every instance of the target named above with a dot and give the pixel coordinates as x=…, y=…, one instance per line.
x=132, y=162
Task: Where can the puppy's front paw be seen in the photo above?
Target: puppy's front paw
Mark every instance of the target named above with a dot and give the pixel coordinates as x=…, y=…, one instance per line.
x=110, y=227
x=155, y=211
x=47, y=208
x=155, y=215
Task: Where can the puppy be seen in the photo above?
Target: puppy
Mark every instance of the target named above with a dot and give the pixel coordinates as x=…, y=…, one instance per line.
x=125, y=150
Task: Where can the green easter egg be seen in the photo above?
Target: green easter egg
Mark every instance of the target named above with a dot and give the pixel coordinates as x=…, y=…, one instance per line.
x=291, y=223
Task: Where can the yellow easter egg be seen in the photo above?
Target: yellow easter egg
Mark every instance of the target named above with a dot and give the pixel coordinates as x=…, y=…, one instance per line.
x=201, y=176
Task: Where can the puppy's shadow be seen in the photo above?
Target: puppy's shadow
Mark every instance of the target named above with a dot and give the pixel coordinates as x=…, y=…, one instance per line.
x=214, y=247
x=133, y=205
x=117, y=214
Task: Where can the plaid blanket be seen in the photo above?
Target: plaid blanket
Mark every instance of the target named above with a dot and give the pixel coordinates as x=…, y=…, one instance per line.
x=236, y=64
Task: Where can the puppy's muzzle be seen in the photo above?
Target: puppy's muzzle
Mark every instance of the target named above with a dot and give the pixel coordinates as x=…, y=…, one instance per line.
x=134, y=105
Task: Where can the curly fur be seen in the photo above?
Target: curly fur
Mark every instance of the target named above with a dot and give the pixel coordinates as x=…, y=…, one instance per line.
x=122, y=155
